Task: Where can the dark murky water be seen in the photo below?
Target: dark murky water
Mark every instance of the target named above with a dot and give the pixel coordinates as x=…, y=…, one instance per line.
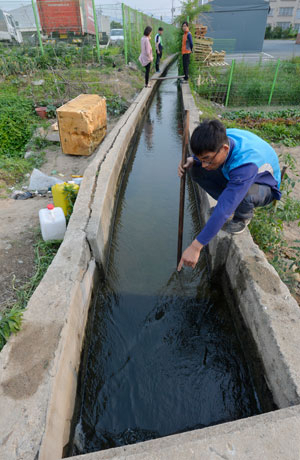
x=163, y=356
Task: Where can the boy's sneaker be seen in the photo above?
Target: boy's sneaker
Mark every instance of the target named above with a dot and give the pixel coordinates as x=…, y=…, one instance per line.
x=236, y=225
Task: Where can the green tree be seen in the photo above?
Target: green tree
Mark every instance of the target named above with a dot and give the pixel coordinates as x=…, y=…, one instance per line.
x=116, y=25
x=268, y=32
x=191, y=10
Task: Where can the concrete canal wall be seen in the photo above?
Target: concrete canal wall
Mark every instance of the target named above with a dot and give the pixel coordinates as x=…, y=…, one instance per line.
x=273, y=319
x=39, y=366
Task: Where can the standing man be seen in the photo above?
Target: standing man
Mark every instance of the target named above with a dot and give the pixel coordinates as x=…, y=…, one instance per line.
x=239, y=170
x=158, y=47
x=186, y=49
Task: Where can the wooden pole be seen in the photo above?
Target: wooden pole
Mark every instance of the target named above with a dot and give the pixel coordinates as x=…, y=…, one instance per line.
x=185, y=143
x=167, y=78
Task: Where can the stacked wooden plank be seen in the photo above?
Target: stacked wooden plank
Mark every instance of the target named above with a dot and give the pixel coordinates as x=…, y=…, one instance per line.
x=200, y=31
x=217, y=58
x=203, y=48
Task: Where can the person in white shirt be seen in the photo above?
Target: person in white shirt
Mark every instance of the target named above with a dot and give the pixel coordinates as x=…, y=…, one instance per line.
x=158, y=47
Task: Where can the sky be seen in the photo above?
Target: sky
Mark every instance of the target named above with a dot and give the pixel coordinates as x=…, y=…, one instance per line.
x=155, y=7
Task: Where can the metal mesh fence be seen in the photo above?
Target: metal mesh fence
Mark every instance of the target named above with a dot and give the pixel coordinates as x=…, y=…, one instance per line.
x=134, y=25
x=242, y=84
x=45, y=29
x=66, y=61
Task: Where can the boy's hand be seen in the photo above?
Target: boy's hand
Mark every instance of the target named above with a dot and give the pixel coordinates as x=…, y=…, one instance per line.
x=191, y=255
x=189, y=163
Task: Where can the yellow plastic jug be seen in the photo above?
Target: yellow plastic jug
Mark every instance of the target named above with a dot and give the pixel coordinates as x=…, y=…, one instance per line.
x=62, y=195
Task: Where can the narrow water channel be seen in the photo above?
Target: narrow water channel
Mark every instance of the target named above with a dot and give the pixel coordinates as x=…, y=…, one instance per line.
x=162, y=354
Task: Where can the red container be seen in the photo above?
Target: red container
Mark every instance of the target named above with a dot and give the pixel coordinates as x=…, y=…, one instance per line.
x=41, y=112
x=63, y=17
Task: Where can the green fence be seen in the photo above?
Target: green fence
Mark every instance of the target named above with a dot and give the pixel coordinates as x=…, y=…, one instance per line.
x=134, y=23
x=242, y=84
x=51, y=49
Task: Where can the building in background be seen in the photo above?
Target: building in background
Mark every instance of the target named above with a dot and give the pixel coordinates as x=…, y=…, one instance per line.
x=24, y=17
x=237, y=26
x=284, y=13
x=103, y=26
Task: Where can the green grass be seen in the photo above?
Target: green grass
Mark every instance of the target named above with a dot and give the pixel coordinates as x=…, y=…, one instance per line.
x=205, y=106
x=280, y=126
x=13, y=170
x=24, y=59
x=251, y=84
x=11, y=318
x=17, y=123
x=65, y=84
x=267, y=229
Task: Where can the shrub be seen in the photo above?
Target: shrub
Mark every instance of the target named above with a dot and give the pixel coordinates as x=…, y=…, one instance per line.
x=278, y=32
x=16, y=124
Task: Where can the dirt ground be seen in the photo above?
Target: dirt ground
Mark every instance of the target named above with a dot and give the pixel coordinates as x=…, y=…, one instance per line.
x=20, y=223
x=19, y=218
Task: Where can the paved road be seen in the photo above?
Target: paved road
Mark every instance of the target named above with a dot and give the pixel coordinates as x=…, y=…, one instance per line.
x=272, y=50
x=284, y=49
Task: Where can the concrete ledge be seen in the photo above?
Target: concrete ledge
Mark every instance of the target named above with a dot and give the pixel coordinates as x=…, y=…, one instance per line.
x=98, y=229
x=39, y=365
x=273, y=436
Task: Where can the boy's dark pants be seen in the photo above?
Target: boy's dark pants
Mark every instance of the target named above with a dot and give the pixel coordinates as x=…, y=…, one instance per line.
x=158, y=58
x=213, y=182
x=186, y=63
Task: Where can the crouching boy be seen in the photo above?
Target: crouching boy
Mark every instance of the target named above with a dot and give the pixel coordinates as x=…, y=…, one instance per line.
x=239, y=170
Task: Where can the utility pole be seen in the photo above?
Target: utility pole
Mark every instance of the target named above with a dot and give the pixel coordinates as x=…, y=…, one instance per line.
x=172, y=11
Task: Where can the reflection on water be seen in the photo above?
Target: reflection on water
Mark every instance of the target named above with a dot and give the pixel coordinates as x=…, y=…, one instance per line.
x=148, y=130
x=163, y=356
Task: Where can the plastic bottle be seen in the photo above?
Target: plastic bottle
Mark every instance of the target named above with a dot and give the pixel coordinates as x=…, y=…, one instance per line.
x=60, y=195
x=53, y=223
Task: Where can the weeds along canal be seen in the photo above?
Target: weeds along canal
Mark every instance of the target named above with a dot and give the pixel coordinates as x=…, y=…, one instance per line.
x=162, y=355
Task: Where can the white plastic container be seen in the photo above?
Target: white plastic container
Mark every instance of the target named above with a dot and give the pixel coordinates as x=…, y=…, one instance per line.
x=76, y=180
x=53, y=223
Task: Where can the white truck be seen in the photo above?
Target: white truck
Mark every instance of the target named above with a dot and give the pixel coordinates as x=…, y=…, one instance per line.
x=9, y=31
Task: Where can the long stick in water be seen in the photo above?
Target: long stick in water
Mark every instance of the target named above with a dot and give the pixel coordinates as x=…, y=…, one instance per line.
x=185, y=143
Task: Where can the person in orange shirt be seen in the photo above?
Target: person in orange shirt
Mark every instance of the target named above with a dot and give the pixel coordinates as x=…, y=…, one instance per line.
x=186, y=49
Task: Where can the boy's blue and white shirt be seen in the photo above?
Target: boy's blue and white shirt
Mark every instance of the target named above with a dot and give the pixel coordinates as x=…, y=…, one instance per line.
x=158, y=43
x=250, y=160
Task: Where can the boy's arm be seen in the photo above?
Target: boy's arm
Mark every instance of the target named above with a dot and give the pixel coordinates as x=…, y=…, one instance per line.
x=240, y=180
x=191, y=41
x=157, y=43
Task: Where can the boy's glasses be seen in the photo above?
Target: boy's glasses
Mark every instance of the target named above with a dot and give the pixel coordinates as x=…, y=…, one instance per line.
x=209, y=162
